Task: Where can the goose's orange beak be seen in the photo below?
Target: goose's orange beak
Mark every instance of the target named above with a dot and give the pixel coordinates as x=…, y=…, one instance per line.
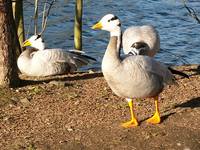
x=98, y=25
x=26, y=43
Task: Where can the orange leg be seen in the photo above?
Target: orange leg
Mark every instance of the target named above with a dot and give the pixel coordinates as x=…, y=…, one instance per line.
x=155, y=119
x=133, y=122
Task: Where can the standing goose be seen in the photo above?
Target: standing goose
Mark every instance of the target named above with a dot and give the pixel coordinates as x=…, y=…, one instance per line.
x=137, y=40
x=133, y=76
x=38, y=61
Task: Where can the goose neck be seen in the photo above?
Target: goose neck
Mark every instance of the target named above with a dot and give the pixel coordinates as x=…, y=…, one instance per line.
x=39, y=46
x=111, y=59
x=117, y=32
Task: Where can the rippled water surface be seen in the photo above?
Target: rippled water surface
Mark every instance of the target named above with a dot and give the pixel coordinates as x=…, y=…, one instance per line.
x=179, y=33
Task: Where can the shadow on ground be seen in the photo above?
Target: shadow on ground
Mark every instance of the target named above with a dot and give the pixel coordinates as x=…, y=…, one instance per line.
x=79, y=76
x=193, y=103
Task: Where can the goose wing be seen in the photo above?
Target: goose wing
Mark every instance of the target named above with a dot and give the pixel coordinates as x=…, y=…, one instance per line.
x=80, y=57
x=52, y=61
x=53, y=56
x=63, y=56
x=150, y=66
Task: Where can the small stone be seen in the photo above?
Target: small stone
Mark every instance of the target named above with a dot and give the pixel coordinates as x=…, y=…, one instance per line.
x=58, y=83
x=178, y=144
x=77, y=103
x=70, y=129
x=91, y=71
x=25, y=101
x=147, y=137
x=6, y=118
x=13, y=101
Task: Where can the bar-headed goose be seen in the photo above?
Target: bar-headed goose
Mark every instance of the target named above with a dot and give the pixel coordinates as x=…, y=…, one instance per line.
x=137, y=40
x=134, y=76
x=134, y=34
x=38, y=61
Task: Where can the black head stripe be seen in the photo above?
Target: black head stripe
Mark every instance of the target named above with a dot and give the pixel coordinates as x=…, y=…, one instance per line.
x=113, y=18
x=38, y=36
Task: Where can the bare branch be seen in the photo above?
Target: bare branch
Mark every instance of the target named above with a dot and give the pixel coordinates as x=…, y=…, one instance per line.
x=45, y=17
x=44, y=12
x=191, y=12
x=36, y=17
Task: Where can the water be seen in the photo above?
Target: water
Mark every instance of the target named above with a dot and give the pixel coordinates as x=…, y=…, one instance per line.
x=179, y=33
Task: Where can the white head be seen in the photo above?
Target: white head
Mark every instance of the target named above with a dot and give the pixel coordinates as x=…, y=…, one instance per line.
x=109, y=23
x=35, y=41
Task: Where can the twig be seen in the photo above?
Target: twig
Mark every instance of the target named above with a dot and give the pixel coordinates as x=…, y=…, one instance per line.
x=191, y=12
x=45, y=17
x=36, y=17
x=32, y=18
x=44, y=12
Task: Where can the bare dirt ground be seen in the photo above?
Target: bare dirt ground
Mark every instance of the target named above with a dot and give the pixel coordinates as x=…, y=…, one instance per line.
x=80, y=112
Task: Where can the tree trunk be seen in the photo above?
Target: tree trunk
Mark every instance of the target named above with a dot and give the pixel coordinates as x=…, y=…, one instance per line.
x=17, y=6
x=8, y=42
x=78, y=25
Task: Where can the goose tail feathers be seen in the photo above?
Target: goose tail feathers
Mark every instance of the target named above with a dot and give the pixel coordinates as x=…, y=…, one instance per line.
x=81, y=58
x=173, y=71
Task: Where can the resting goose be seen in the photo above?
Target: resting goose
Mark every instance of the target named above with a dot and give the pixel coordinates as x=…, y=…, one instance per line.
x=134, y=37
x=38, y=61
x=134, y=76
